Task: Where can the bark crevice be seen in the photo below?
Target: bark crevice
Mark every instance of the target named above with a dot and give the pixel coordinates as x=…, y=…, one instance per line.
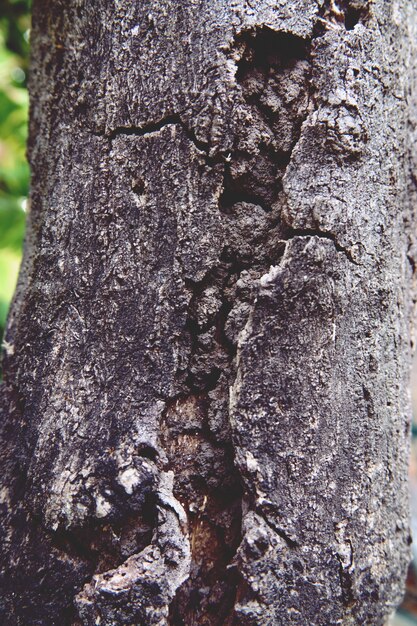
x=290, y=233
x=150, y=127
x=250, y=207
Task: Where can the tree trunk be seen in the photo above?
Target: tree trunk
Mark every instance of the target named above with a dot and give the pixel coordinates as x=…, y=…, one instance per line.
x=205, y=407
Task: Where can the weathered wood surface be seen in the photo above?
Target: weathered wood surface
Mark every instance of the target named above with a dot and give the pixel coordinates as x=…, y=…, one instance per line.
x=205, y=407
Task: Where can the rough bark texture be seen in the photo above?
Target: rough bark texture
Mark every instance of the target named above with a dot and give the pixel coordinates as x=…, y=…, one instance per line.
x=204, y=410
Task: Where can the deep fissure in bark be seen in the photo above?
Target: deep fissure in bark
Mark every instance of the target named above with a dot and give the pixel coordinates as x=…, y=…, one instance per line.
x=274, y=76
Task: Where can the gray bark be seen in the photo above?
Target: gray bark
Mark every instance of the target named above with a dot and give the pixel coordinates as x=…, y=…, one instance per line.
x=205, y=414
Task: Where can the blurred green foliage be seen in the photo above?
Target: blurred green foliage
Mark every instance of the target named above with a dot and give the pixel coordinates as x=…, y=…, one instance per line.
x=14, y=170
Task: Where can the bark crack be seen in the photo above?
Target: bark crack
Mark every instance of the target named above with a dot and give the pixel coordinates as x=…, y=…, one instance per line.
x=290, y=233
x=150, y=127
x=196, y=431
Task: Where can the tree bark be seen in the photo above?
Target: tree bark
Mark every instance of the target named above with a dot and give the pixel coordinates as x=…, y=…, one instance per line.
x=205, y=413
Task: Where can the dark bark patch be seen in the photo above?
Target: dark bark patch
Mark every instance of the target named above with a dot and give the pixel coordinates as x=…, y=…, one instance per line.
x=208, y=486
x=355, y=12
x=273, y=72
x=266, y=48
x=344, y=14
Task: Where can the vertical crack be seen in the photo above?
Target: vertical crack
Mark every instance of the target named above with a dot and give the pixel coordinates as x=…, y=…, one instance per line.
x=274, y=78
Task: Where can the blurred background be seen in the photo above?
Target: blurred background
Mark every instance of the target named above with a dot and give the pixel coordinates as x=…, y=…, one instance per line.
x=14, y=171
x=14, y=183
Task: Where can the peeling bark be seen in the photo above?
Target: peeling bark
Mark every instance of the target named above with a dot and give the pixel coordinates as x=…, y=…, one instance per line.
x=205, y=415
